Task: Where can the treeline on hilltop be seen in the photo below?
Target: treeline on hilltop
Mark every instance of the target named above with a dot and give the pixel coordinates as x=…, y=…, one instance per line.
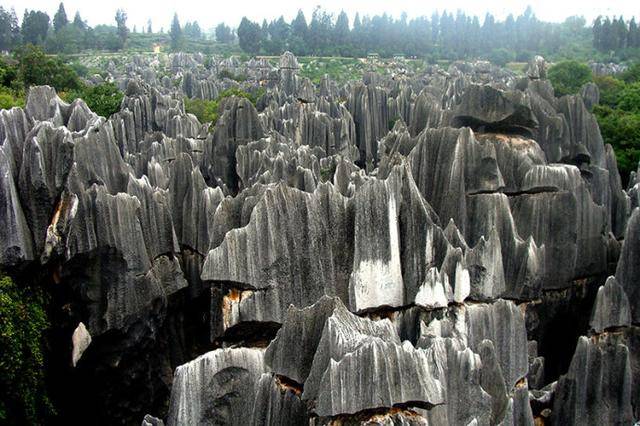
x=615, y=34
x=443, y=35
x=63, y=35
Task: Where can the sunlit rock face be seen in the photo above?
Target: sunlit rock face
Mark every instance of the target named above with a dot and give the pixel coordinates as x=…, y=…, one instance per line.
x=448, y=246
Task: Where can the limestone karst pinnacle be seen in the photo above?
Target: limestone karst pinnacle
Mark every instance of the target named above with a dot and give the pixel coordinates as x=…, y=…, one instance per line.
x=407, y=250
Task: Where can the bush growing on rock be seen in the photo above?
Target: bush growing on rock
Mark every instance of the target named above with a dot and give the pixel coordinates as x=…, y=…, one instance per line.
x=22, y=321
x=619, y=117
x=103, y=99
x=207, y=111
x=9, y=99
x=568, y=77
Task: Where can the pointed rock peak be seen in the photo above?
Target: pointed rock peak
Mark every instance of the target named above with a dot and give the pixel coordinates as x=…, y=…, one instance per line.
x=611, y=308
x=288, y=61
x=454, y=236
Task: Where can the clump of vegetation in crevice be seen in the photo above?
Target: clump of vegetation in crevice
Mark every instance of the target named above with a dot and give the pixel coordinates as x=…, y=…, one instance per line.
x=228, y=74
x=619, y=117
x=568, y=77
x=23, y=320
x=208, y=111
x=103, y=99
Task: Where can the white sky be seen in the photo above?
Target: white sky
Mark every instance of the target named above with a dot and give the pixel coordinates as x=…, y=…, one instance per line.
x=211, y=12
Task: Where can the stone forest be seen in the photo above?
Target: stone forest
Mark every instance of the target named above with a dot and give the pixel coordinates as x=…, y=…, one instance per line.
x=446, y=246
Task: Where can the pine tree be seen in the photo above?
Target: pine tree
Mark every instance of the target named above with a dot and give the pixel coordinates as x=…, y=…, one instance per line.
x=634, y=34
x=60, y=18
x=177, y=37
x=597, y=33
x=341, y=31
x=121, y=22
x=78, y=22
x=250, y=36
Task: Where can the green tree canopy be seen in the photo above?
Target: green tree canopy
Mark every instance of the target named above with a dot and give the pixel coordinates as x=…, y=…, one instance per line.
x=568, y=77
x=103, y=99
x=9, y=29
x=250, y=36
x=60, y=18
x=23, y=320
x=35, y=25
x=35, y=68
x=223, y=33
x=121, y=22
x=177, y=38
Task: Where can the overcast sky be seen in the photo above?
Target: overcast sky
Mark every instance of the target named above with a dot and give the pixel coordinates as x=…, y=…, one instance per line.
x=211, y=12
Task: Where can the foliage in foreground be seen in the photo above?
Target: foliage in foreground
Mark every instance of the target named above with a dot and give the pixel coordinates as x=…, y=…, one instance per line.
x=23, y=320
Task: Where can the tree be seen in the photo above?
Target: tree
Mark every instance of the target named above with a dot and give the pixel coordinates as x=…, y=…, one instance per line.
x=23, y=321
x=123, y=31
x=299, y=35
x=78, y=22
x=69, y=39
x=320, y=29
x=568, y=77
x=223, y=33
x=632, y=74
x=249, y=36
x=177, y=37
x=597, y=33
x=35, y=25
x=149, y=29
x=9, y=29
x=103, y=99
x=60, y=18
x=278, y=32
x=192, y=30
x=341, y=31
x=633, y=39
x=501, y=56
x=35, y=68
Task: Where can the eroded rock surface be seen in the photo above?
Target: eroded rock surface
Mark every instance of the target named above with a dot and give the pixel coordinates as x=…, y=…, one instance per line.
x=422, y=248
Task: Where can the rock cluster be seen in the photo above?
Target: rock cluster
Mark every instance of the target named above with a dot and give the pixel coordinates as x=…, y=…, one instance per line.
x=392, y=251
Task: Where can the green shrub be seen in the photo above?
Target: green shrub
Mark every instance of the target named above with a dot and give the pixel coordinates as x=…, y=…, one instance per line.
x=610, y=89
x=501, y=57
x=619, y=118
x=228, y=74
x=632, y=74
x=208, y=111
x=326, y=174
x=205, y=111
x=23, y=320
x=35, y=68
x=568, y=77
x=10, y=99
x=629, y=99
x=103, y=99
x=8, y=73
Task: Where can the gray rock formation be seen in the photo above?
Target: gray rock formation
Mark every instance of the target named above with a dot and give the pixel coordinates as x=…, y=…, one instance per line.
x=218, y=387
x=611, y=308
x=629, y=265
x=597, y=388
x=422, y=247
